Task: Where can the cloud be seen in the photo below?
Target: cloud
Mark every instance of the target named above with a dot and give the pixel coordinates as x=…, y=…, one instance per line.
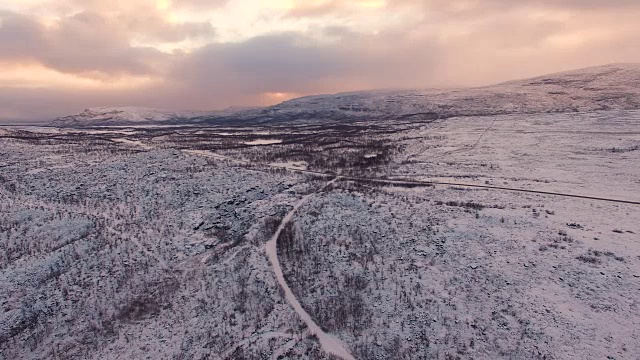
x=45, y=104
x=283, y=62
x=294, y=63
x=311, y=9
x=199, y=4
x=292, y=48
x=152, y=26
x=258, y=70
x=444, y=10
x=476, y=5
x=84, y=43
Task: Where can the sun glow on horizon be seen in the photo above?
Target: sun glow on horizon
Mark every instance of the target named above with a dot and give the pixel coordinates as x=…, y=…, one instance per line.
x=163, y=4
x=271, y=98
x=374, y=4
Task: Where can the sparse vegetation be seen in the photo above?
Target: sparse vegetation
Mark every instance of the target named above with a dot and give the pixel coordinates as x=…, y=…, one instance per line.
x=589, y=259
x=117, y=243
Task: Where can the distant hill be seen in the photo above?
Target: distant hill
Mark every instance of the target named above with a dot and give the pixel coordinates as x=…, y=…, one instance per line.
x=598, y=88
x=615, y=86
x=129, y=116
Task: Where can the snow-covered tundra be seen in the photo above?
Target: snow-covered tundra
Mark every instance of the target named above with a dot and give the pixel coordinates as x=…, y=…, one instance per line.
x=499, y=222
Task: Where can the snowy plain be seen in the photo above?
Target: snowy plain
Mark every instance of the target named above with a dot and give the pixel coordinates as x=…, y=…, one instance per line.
x=291, y=240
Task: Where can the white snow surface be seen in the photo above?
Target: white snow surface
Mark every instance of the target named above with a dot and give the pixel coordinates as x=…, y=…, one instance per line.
x=136, y=243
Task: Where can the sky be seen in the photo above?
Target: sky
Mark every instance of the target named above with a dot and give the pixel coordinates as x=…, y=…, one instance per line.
x=58, y=57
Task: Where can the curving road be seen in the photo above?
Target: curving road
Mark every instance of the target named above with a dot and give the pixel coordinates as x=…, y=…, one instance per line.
x=328, y=342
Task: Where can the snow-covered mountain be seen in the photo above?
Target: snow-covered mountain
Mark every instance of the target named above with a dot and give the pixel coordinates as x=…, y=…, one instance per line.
x=606, y=87
x=129, y=116
x=599, y=88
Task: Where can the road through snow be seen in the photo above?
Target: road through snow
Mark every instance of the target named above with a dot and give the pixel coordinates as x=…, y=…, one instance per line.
x=328, y=342
x=392, y=181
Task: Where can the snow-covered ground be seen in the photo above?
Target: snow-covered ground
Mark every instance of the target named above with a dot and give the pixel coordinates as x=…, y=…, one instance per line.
x=580, y=153
x=330, y=344
x=127, y=247
x=192, y=242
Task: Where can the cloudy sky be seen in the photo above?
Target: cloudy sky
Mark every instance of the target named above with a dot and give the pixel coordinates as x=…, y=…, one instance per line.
x=61, y=56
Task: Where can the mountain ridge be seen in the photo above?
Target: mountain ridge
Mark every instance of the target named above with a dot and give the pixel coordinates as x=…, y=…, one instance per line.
x=606, y=87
